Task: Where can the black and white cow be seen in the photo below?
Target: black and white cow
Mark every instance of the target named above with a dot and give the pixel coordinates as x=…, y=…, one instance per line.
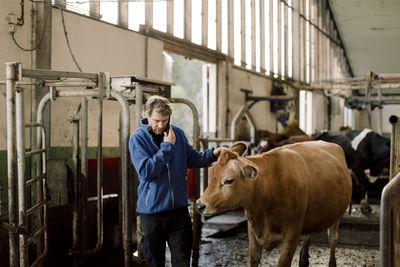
x=364, y=150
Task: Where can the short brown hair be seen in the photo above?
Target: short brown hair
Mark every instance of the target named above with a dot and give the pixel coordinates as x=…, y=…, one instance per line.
x=159, y=104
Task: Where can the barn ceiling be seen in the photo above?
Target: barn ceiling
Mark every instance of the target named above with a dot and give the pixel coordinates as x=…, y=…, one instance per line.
x=370, y=31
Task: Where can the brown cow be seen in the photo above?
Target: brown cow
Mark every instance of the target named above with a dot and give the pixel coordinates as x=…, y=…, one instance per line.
x=294, y=190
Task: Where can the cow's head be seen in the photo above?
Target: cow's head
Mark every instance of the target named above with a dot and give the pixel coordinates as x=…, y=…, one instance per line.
x=228, y=186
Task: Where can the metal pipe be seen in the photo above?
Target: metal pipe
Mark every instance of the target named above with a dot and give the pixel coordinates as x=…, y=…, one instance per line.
x=84, y=174
x=394, y=146
x=94, y=93
x=11, y=160
x=57, y=75
x=138, y=117
x=76, y=237
x=196, y=144
x=20, y=137
x=196, y=127
x=388, y=204
x=41, y=188
x=244, y=111
x=126, y=216
x=138, y=107
x=100, y=207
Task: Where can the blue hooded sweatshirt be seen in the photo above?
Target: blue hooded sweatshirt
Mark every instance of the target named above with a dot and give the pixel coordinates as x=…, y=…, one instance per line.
x=162, y=171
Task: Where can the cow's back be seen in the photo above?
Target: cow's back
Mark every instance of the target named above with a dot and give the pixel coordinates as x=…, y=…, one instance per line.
x=313, y=185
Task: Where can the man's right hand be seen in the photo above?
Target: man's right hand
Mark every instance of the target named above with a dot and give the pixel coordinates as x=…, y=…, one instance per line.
x=170, y=137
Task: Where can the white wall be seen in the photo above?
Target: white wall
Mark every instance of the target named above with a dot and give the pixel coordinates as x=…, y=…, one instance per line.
x=98, y=47
x=9, y=52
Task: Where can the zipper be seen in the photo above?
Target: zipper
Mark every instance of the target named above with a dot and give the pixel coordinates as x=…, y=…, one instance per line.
x=169, y=181
x=148, y=193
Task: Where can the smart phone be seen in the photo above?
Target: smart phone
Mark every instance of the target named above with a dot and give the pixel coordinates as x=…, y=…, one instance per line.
x=166, y=130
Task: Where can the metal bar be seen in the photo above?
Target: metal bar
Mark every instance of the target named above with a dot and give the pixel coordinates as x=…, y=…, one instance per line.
x=126, y=216
x=36, y=206
x=29, y=124
x=388, y=222
x=243, y=111
x=11, y=160
x=76, y=232
x=57, y=75
x=84, y=173
x=196, y=145
x=41, y=189
x=100, y=207
x=36, y=179
x=394, y=146
x=34, y=152
x=20, y=138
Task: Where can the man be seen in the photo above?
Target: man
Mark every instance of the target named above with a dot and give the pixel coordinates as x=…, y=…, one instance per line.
x=161, y=154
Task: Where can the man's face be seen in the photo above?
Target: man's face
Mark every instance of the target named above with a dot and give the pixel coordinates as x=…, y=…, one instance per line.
x=157, y=122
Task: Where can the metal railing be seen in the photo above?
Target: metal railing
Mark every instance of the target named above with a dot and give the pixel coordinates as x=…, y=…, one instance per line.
x=389, y=236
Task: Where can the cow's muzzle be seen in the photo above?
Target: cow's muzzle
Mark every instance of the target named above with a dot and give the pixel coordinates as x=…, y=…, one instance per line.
x=200, y=207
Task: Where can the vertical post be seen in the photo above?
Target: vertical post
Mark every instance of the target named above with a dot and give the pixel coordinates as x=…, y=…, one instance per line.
x=170, y=17
x=11, y=160
x=149, y=14
x=243, y=32
x=95, y=8
x=262, y=36
x=394, y=146
x=188, y=20
x=126, y=214
x=218, y=30
x=279, y=34
x=231, y=43
x=20, y=137
x=138, y=114
x=296, y=40
x=271, y=37
x=123, y=14
x=204, y=23
x=84, y=174
x=286, y=43
x=253, y=35
x=76, y=229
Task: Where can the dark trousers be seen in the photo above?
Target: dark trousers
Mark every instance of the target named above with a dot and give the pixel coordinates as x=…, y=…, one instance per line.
x=174, y=227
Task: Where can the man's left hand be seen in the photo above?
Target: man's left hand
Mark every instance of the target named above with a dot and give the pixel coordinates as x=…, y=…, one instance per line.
x=218, y=151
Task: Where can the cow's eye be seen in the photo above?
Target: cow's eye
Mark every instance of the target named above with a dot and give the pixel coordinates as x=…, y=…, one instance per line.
x=228, y=181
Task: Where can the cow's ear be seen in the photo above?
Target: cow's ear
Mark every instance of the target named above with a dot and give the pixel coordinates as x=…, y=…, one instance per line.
x=249, y=171
x=239, y=147
x=225, y=156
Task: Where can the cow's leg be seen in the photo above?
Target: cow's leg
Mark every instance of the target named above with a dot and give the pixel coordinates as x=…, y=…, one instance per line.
x=333, y=237
x=304, y=256
x=255, y=249
x=289, y=246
